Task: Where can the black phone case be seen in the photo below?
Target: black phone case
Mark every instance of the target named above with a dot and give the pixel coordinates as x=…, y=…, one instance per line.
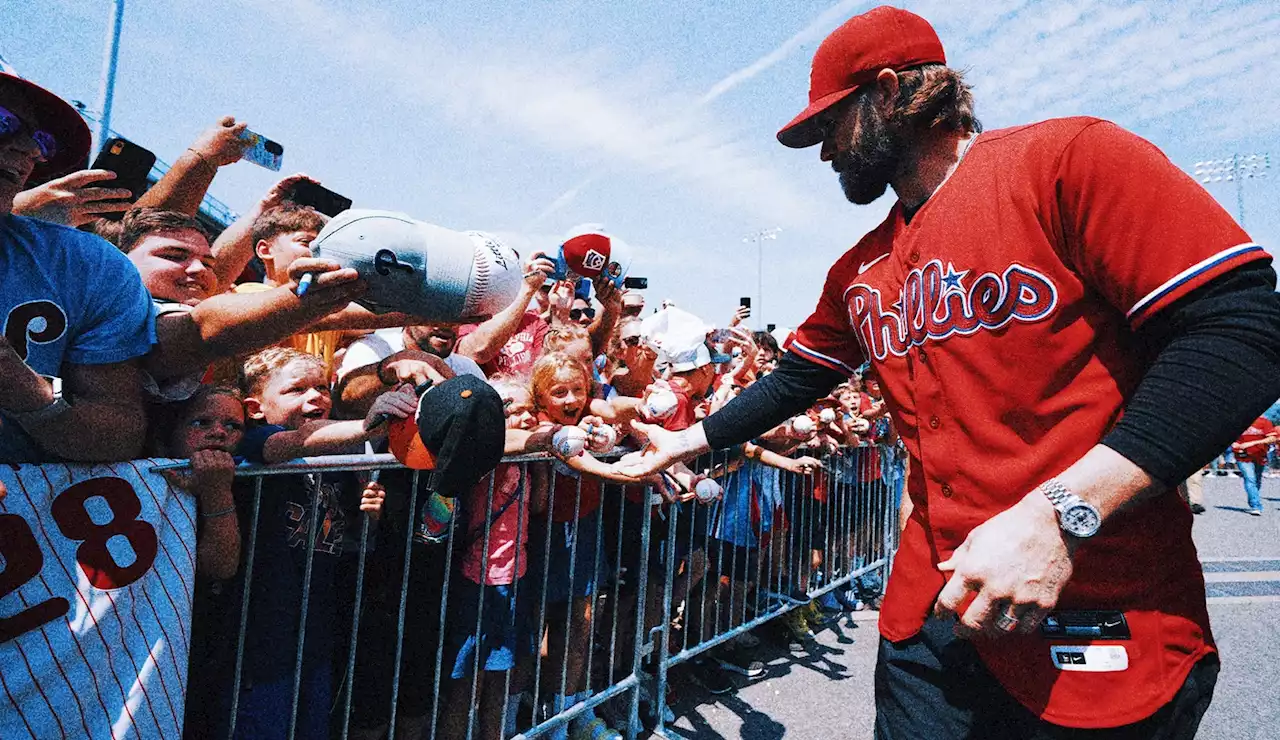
x=131, y=163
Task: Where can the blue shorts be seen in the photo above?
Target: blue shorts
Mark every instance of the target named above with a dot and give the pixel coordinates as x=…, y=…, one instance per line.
x=567, y=575
x=505, y=631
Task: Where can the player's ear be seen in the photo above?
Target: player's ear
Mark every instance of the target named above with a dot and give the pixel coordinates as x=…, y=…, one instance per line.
x=263, y=249
x=253, y=409
x=887, y=91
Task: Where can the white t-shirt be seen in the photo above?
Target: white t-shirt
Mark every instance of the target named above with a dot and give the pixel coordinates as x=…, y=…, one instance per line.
x=383, y=343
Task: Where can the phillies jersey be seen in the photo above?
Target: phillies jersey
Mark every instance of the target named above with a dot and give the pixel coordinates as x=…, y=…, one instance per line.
x=1261, y=428
x=95, y=602
x=1001, y=321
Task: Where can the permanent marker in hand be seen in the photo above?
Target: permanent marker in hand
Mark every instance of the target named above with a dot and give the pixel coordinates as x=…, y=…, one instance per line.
x=305, y=283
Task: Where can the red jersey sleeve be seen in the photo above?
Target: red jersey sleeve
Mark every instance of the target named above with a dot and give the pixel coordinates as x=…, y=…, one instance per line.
x=826, y=337
x=1137, y=229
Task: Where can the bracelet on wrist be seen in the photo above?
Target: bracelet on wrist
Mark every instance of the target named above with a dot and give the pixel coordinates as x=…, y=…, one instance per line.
x=203, y=159
x=219, y=513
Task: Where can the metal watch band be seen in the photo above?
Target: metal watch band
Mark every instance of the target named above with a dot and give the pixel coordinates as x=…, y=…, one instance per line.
x=1056, y=492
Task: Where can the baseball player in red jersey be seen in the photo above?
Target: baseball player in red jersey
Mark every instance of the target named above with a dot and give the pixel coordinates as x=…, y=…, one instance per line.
x=1042, y=305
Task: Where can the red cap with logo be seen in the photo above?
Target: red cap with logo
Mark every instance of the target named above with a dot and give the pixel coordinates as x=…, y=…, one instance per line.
x=853, y=55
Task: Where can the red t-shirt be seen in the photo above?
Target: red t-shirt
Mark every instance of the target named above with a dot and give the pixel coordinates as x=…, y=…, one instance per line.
x=1001, y=323
x=1259, y=429
x=519, y=353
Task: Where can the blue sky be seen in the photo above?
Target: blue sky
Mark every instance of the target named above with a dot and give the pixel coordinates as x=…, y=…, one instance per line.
x=656, y=119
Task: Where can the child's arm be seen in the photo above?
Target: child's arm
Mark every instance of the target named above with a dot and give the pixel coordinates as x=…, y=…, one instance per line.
x=618, y=411
x=521, y=442
x=209, y=480
x=802, y=465
x=324, y=437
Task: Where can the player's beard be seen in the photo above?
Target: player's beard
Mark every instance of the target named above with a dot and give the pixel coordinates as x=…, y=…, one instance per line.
x=869, y=163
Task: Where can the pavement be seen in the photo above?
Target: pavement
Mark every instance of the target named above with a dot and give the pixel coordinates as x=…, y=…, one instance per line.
x=824, y=692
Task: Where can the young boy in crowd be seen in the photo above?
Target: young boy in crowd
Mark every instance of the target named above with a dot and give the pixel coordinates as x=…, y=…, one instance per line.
x=301, y=522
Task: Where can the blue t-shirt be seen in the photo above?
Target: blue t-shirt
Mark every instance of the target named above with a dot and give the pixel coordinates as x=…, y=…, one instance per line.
x=66, y=296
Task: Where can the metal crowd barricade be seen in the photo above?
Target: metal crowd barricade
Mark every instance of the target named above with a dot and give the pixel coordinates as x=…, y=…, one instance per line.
x=723, y=568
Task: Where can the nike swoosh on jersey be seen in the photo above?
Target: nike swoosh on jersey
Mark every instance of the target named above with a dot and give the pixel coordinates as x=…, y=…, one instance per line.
x=867, y=265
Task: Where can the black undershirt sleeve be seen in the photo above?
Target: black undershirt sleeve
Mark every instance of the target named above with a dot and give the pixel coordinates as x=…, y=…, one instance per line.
x=1216, y=368
x=771, y=400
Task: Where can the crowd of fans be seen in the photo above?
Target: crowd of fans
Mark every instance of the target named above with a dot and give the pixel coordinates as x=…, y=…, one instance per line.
x=131, y=331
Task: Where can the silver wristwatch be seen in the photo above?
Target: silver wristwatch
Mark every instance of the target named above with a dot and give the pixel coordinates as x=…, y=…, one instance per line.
x=56, y=408
x=1076, y=517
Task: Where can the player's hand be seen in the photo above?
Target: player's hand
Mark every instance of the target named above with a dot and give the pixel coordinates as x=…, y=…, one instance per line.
x=73, y=200
x=662, y=450
x=1016, y=565
x=371, y=500
x=221, y=144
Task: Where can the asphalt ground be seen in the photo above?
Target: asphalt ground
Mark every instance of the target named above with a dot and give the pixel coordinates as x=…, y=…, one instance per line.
x=823, y=691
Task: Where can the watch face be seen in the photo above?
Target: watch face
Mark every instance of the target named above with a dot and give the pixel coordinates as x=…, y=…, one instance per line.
x=1081, y=520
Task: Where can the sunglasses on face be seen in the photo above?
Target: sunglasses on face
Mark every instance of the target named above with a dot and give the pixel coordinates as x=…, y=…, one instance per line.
x=11, y=126
x=578, y=313
x=631, y=341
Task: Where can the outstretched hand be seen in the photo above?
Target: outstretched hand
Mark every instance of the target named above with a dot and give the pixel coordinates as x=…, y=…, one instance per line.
x=662, y=450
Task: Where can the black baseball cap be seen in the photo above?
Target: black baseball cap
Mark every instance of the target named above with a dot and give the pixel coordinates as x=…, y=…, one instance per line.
x=462, y=427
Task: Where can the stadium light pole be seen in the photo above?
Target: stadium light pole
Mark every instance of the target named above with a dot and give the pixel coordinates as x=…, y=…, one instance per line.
x=108, y=88
x=1238, y=168
x=759, y=238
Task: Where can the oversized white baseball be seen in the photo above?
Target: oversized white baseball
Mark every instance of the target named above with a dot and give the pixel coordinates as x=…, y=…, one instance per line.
x=826, y=416
x=803, y=425
x=661, y=403
x=602, y=439
x=569, y=441
x=708, y=490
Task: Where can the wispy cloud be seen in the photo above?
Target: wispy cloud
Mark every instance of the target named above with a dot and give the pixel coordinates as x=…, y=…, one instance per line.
x=1140, y=63
x=570, y=101
x=817, y=29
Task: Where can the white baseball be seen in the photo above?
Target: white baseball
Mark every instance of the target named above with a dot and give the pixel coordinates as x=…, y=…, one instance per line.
x=803, y=425
x=708, y=490
x=826, y=416
x=569, y=441
x=661, y=404
x=602, y=439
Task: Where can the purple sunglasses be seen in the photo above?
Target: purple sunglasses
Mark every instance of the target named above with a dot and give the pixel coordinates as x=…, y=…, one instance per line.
x=11, y=125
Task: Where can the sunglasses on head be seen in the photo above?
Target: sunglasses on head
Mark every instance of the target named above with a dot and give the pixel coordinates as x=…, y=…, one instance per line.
x=631, y=341
x=578, y=313
x=12, y=126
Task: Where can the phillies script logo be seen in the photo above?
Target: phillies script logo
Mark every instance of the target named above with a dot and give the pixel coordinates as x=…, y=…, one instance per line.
x=937, y=303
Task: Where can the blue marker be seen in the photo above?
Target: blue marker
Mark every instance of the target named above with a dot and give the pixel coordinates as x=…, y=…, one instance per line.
x=305, y=283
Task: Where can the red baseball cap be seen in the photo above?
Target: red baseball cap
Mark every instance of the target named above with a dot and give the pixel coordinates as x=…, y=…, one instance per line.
x=59, y=118
x=853, y=55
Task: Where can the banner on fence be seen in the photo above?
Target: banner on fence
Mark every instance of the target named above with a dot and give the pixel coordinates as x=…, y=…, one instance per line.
x=96, y=574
